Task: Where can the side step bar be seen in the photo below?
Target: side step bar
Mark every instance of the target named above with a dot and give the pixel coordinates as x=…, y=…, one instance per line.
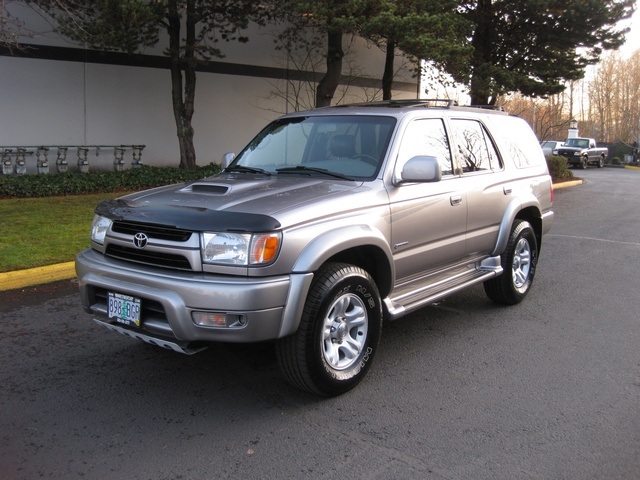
x=175, y=345
x=426, y=293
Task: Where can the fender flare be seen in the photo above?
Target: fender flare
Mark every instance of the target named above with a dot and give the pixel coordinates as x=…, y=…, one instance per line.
x=317, y=252
x=337, y=240
x=510, y=214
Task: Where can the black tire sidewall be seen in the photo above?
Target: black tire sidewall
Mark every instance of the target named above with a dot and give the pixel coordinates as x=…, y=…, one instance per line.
x=522, y=230
x=354, y=281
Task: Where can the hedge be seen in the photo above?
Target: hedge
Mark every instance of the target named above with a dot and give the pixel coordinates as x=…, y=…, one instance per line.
x=22, y=186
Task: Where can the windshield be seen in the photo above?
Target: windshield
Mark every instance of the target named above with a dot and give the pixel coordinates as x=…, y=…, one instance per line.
x=577, y=142
x=344, y=146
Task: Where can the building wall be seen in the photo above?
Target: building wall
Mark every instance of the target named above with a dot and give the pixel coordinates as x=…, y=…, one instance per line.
x=57, y=93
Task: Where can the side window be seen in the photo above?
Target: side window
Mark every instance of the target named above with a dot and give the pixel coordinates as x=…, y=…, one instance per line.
x=426, y=137
x=475, y=147
x=518, y=141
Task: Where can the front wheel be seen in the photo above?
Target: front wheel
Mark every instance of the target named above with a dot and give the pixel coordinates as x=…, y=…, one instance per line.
x=584, y=163
x=519, y=266
x=339, y=331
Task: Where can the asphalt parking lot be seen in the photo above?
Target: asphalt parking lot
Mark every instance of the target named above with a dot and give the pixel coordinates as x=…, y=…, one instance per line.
x=464, y=389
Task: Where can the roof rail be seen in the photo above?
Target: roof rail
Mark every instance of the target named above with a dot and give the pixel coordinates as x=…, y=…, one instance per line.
x=413, y=102
x=497, y=108
x=442, y=102
x=423, y=102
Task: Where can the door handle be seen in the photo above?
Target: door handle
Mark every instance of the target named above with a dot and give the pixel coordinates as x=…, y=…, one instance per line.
x=456, y=200
x=507, y=190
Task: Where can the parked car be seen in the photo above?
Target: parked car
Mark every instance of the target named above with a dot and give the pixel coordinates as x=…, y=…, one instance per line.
x=581, y=152
x=550, y=147
x=328, y=223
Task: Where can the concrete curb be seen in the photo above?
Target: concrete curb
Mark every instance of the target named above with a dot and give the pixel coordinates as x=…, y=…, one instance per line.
x=37, y=276
x=572, y=183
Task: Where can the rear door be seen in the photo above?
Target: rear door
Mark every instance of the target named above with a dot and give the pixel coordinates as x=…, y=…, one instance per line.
x=489, y=188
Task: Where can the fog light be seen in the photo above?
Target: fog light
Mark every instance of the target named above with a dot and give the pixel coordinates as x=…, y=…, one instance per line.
x=217, y=319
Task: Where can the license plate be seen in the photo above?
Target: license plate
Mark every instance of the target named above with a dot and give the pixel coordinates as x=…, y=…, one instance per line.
x=124, y=308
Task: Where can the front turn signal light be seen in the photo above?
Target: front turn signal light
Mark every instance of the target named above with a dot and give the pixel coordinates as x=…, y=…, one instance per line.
x=265, y=248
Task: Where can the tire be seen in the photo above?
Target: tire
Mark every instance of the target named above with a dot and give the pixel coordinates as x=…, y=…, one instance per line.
x=519, y=266
x=584, y=163
x=601, y=162
x=338, y=335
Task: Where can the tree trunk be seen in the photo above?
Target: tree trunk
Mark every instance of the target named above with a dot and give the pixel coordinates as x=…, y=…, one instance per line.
x=387, y=76
x=329, y=83
x=481, y=77
x=183, y=88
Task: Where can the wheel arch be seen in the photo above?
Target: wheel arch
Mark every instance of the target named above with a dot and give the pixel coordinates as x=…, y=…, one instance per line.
x=516, y=211
x=357, y=245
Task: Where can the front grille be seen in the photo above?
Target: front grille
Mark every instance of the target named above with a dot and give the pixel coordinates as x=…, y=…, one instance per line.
x=152, y=231
x=148, y=257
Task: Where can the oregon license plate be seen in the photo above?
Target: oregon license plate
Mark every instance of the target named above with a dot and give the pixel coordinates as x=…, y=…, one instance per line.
x=124, y=308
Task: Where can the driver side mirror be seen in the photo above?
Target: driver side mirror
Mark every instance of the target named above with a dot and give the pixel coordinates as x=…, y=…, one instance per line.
x=421, y=169
x=227, y=158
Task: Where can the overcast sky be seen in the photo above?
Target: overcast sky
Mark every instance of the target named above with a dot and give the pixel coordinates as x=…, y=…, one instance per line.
x=633, y=37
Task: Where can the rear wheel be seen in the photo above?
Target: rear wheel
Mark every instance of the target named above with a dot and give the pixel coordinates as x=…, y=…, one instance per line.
x=339, y=331
x=601, y=162
x=519, y=266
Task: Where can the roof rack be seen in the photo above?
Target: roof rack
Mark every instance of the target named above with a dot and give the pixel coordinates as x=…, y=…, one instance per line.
x=497, y=108
x=426, y=102
x=441, y=102
x=415, y=102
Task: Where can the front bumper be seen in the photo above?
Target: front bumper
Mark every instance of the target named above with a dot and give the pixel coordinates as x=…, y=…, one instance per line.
x=270, y=306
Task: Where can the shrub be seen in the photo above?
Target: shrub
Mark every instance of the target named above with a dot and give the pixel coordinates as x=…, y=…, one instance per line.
x=98, y=182
x=558, y=168
x=616, y=161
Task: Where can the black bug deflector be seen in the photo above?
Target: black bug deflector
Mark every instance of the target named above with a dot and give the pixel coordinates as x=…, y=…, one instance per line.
x=186, y=217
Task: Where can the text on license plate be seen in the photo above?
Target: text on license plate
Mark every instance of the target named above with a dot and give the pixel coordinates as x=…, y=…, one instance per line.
x=124, y=308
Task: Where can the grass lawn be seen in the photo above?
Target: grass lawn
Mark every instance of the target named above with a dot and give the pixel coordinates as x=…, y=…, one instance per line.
x=43, y=231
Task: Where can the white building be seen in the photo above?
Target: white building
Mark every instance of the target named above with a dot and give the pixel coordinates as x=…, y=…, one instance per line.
x=54, y=92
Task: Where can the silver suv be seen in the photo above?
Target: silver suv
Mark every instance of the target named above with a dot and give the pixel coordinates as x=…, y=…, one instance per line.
x=327, y=224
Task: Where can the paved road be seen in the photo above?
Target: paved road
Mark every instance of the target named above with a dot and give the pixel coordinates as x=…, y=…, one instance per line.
x=549, y=389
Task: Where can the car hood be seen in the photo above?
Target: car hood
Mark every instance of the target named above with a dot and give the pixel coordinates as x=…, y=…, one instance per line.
x=231, y=202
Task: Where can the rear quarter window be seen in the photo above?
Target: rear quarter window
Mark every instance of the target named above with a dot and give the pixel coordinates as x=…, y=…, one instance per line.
x=518, y=141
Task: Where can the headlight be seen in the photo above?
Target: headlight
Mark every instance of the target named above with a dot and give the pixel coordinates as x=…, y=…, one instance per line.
x=240, y=248
x=99, y=228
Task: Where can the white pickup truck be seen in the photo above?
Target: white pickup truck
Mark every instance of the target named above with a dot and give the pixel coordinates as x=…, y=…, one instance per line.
x=580, y=152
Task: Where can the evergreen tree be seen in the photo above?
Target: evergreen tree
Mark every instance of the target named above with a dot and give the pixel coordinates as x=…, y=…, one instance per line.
x=535, y=46
x=422, y=29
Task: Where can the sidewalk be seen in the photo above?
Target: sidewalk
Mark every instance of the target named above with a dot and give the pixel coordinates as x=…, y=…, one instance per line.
x=37, y=276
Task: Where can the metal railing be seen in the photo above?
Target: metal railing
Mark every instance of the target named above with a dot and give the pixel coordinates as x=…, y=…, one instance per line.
x=13, y=159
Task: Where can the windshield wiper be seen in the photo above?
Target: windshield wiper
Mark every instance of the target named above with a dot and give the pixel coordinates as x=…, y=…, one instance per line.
x=304, y=169
x=243, y=169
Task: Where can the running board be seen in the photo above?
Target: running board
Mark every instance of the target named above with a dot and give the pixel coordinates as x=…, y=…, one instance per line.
x=420, y=297
x=175, y=345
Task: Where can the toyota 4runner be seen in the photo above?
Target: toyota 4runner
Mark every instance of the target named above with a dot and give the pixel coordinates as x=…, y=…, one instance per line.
x=328, y=223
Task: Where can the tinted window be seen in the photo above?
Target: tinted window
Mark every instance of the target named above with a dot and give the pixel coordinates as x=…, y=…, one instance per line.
x=520, y=141
x=474, y=146
x=426, y=137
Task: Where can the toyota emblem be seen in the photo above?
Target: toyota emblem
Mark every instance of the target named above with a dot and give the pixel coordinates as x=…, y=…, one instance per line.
x=140, y=240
